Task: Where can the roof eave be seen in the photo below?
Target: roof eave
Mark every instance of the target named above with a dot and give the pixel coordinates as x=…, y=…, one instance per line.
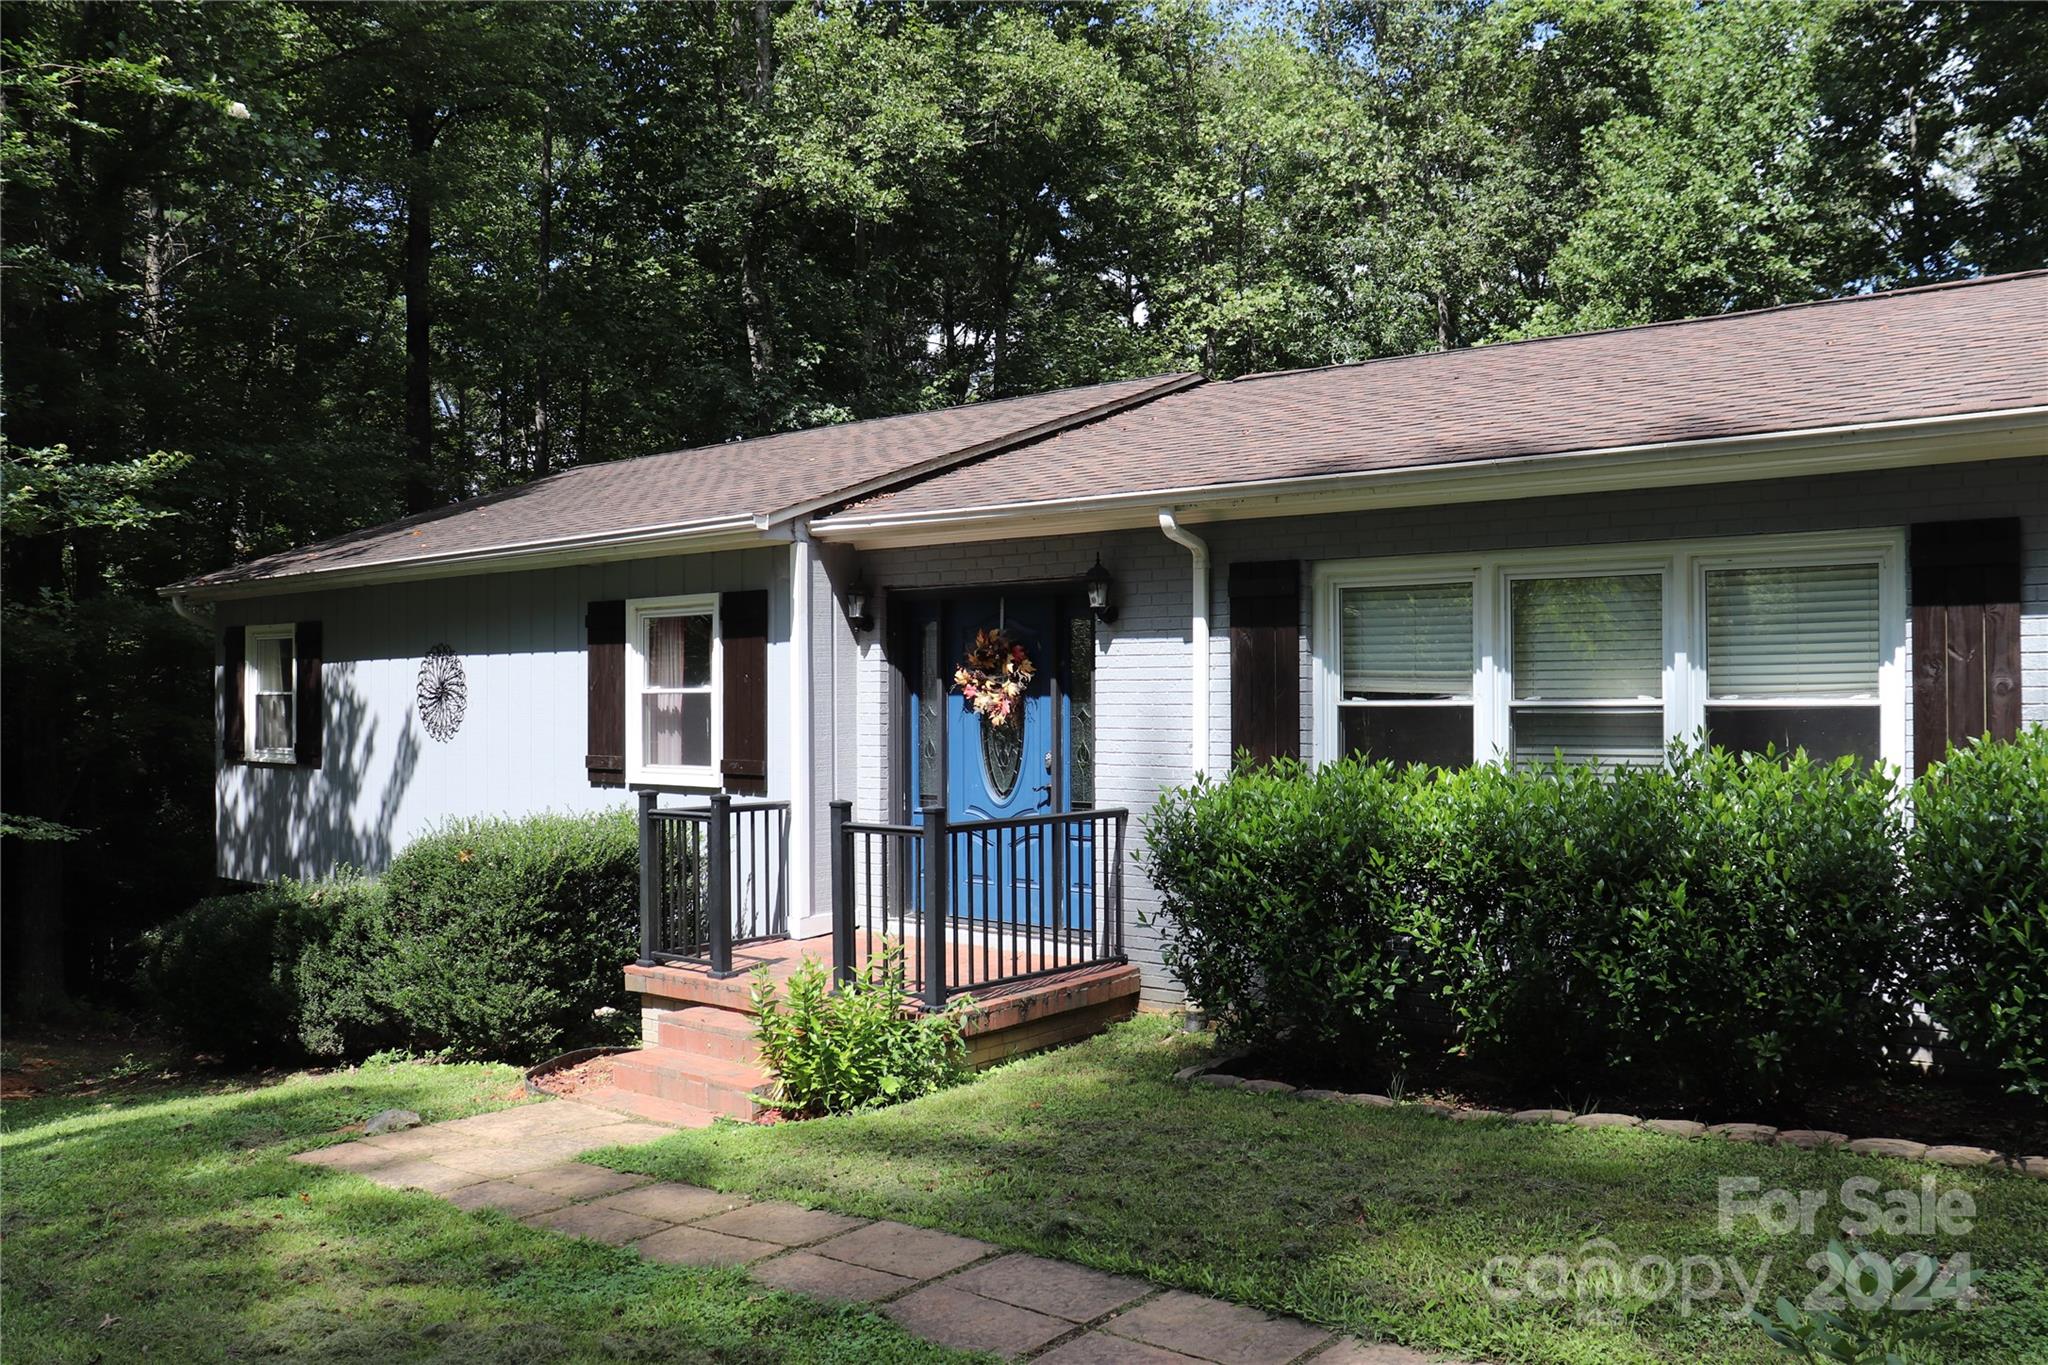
x=724, y=533
x=1947, y=439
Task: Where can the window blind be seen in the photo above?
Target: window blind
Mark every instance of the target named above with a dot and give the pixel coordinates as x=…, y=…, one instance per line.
x=1589, y=639
x=1407, y=640
x=1615, y=738
x=1809, y=631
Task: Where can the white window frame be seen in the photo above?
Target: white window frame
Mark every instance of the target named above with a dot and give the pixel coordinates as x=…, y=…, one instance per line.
x=1394, y=576
x=1505, y=703
x=1683, y=564
x=639, y=612
x=251, y=637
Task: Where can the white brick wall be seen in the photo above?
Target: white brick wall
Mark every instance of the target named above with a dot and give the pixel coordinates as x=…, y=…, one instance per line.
x=1142, y=676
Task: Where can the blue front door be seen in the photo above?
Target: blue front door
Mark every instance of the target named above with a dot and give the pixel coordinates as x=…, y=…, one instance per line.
x=995, y=772
x=983, y=771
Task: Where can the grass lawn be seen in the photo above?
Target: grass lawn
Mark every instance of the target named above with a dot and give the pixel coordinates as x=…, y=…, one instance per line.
x=169, y=1224
x=1376, y=1221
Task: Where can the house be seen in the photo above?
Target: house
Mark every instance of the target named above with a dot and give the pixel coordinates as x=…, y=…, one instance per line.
x=1823, y=524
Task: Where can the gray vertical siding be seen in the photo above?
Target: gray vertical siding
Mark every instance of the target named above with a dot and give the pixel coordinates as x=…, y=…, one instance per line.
x=1143, y=671
x=383, y=781
x=520, y=636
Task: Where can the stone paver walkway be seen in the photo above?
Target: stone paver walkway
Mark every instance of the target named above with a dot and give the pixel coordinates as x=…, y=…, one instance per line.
x=949, y=1289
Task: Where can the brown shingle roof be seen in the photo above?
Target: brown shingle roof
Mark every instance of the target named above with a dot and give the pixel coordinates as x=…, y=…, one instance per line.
x=1972, y=346
x=705, y=487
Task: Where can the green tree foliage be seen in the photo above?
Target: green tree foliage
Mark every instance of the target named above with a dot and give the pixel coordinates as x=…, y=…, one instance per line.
x=340, y=261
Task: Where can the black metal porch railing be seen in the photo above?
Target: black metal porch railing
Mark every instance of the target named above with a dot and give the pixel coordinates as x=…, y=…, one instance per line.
x=979, y=903
x=711, y=876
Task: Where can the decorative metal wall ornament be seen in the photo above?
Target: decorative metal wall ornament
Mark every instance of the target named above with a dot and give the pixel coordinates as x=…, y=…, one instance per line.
x=443, y=695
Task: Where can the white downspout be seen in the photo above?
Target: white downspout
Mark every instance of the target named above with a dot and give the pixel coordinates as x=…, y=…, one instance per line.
x=802, y=698
x=1198, y=634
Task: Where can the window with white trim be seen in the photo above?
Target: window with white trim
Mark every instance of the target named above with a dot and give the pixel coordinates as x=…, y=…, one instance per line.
x=270, y=693
x=1609, y=654
x=673, y=669
x=1588, y=668
x=1405, y=686
x=1792, y=658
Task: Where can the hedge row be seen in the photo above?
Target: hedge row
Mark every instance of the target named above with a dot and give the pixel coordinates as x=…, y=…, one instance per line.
x=489, y=938
x=1729, y=925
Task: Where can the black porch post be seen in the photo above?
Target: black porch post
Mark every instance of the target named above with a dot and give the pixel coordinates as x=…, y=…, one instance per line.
x=650, y=880
x=842, y=896
x=937, y=901
x=718, y=884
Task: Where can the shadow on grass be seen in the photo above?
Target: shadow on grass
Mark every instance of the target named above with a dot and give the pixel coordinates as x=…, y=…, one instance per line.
x=178, y=1227
x=1372, y=1220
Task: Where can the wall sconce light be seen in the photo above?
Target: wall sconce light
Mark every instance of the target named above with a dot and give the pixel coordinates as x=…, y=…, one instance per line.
x=857, y=612
x=1099, y=600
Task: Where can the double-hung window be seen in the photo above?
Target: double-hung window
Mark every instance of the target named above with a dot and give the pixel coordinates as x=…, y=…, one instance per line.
x=1406, y=670
x=1588, y=668
x=1793, y=654
x=1610, y=654
x=270, y=693
x=672, y=693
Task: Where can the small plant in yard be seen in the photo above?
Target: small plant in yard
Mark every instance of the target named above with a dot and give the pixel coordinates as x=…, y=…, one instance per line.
x=1887, y=1310
x=833, y=1052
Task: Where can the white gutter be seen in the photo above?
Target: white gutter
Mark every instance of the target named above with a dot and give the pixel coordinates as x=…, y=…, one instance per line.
x=181, y=603
x=1951, y=439
x=1198, y=637
x=802, y=699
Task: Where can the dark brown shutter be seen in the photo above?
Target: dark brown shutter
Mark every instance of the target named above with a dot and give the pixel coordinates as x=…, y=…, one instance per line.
x=309, y=711
x=743, y=636
x=1966, y=634
x=1265, y=660
x=234, y=664
x=604, y=756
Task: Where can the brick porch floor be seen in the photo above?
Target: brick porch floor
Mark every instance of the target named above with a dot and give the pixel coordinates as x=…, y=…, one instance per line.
x=949, y=1289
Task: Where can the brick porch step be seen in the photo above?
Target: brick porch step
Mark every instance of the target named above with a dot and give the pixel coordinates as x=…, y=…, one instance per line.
x=709, y=1031
x=737, y=1089
x=668, y=1112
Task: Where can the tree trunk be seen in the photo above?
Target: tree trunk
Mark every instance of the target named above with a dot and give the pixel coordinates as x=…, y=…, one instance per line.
x=754, y=307
x=543, y=436
x=156, y=252
x=421, y=130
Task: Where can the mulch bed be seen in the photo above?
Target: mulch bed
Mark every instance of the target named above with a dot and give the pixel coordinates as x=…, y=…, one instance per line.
x=593, y=1073
x=1929, y=1109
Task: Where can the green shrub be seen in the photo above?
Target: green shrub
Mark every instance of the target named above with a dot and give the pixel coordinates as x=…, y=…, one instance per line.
x=1731, y=925
x=1979, y=860
x=1728, y=924
x=1289, y=894
x=228, y=973
x=832, y=1052
x=501, y=938
x=342, y=986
